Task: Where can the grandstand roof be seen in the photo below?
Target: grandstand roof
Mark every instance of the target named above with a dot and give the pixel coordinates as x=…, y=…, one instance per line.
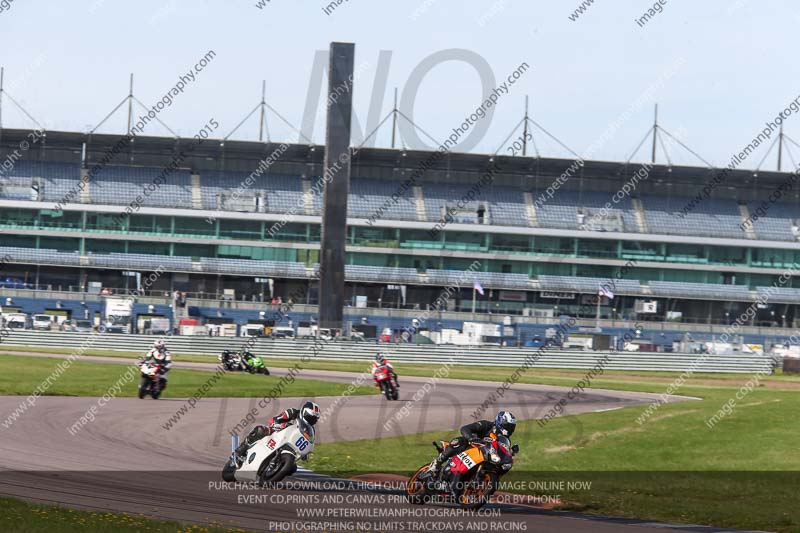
x=61, y=146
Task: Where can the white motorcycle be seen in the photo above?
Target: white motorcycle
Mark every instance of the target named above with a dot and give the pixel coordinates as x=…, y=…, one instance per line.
x=151, y=382
x=272, y=458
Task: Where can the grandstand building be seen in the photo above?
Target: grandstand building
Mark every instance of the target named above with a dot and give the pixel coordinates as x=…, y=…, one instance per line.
x=229, y=216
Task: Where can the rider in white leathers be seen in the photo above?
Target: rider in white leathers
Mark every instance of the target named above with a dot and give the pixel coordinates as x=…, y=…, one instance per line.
x=159, y=355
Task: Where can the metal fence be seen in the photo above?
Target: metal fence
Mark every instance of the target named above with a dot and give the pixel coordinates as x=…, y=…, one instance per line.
x=706, y=326
x=424, y=354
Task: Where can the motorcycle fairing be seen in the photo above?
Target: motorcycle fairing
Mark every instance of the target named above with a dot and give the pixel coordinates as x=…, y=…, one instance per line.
x=466, y=461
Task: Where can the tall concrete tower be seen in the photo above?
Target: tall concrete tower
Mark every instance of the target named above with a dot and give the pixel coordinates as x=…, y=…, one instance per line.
x=337, y=185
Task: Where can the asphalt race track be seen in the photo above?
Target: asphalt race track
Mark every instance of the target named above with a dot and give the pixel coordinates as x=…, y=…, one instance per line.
x=119, y=461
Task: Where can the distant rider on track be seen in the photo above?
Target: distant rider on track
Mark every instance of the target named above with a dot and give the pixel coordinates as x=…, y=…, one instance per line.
x=381, y=360
x=159, y=355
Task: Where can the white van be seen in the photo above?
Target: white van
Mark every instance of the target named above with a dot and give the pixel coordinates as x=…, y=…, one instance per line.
x=282, y=332
x=306, y=330
x=42, y=322
x=252, y=330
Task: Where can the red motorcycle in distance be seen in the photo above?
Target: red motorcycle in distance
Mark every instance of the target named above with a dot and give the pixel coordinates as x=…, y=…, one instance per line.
x=151, y=382
x=384, y=381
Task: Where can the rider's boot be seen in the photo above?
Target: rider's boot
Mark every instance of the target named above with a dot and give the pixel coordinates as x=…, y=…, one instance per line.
x=257, y=433
x=241, y=451
x=436, y=465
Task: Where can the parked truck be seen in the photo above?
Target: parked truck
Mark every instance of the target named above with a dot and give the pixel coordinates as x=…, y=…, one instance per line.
x=118, y=313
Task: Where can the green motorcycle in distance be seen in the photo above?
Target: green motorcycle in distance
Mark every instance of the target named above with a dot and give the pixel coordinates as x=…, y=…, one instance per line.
x=254, y=364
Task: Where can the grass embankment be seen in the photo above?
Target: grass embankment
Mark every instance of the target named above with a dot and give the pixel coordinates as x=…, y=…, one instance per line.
x=20, y=375
x=744, y=472
x=20, y=517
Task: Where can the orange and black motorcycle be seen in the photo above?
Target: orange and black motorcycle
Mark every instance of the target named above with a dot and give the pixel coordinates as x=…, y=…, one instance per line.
x=469, y=478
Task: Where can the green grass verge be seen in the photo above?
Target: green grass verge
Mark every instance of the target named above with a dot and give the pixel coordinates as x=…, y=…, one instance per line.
x=639, y=381
x=742, y=473
x=20, y=375
x=21, y=517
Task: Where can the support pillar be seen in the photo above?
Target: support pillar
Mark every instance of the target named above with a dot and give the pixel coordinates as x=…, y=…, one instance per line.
x=337, y=185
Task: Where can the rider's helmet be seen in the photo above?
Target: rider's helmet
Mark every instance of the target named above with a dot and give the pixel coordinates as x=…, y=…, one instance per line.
x=310, y=412
x=159, y=346
x=505, y=423
x=380, y=358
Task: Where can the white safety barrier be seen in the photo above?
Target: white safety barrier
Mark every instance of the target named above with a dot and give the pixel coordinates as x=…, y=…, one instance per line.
x=364, y=351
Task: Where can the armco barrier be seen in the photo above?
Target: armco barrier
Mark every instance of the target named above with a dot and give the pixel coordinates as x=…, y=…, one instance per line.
x=364, y=351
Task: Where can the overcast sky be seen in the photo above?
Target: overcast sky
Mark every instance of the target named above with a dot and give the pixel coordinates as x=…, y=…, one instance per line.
x=719, y=69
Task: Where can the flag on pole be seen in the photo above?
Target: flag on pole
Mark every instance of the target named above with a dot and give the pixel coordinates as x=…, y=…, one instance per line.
x=604, y=291
x=477, y=286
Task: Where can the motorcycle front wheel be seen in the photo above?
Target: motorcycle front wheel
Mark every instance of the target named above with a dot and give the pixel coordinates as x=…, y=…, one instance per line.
x=228, y=472
x=416, y=488
x=143, y=386
x=385, y=390
x=277, y=468
x=156, y=389
x=478, y=490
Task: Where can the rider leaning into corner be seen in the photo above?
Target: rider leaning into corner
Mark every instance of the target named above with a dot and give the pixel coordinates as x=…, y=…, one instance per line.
x=309, y=412
x=504, y=425
x=381, y=360
x=159, y=355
